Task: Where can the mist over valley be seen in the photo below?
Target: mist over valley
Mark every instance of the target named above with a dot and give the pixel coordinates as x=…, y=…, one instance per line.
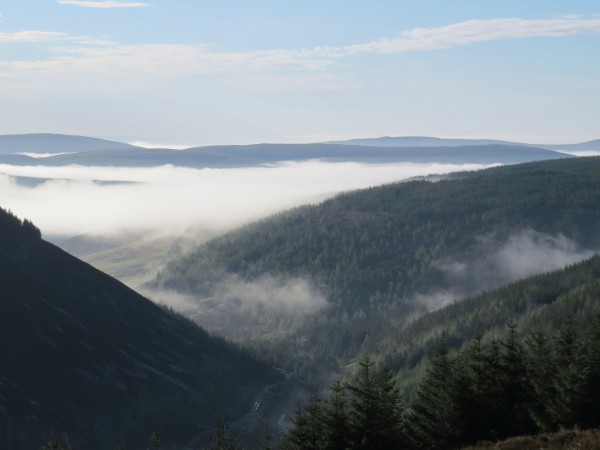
x=299, y=226
x=309, y=265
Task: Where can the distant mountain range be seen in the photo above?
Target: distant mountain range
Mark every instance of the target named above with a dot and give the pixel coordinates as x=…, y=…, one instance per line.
x=82, y=353
x=267, y=154
x=54, y=143
x=60, y=150
x=425, y=141
x=59, y=143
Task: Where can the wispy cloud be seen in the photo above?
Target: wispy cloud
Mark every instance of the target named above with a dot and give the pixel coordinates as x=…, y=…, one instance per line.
x=30, y=36
x=36, y=36
x=83, y=55
x=470, y=32
x=165, y=59
x=197, y=58
x=103, y=4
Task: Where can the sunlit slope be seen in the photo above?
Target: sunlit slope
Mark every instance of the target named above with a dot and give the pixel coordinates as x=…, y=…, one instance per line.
x=383, y=254
x=129, y=259
x=86, y=355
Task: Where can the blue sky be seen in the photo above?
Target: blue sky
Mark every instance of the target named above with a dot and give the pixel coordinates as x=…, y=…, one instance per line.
x=204, y=72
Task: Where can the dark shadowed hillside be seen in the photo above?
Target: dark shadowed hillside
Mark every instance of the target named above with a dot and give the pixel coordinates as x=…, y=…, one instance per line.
x=84, y=354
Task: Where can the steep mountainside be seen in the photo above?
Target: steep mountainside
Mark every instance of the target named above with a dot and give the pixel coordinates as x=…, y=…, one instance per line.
x=54, y=143
x=383, y=254
x=84, y=354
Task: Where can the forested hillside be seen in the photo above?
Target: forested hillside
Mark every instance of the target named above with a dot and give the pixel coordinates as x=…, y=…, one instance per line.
x=512, y=385
x=381, y=255
x=539, y=303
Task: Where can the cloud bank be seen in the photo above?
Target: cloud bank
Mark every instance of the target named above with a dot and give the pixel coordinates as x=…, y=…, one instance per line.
x=76, y=200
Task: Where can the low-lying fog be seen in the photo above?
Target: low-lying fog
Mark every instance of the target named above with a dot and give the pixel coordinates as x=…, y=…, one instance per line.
x=77, y=200
x=496, y=263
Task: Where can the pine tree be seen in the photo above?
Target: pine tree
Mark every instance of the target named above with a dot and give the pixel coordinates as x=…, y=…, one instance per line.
x=590, y=416
x=268, y=436
x=542, y=372
x=431, y=418
x=221, y=440
x=570, y=376
x=376, y=409
x=57, y=442
x=336, y=418
x=512, y=404
x=156, y=439
x=468, y=392
x=307, y=431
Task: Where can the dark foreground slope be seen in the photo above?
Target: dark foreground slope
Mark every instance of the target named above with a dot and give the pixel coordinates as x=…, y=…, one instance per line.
x=381, y=255
x=86, y=355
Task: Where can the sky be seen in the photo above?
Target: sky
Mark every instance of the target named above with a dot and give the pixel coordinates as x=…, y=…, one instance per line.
x=183, y=72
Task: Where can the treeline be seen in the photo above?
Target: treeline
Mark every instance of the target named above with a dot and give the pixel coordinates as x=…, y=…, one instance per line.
x=13, y=229
x=490, y=390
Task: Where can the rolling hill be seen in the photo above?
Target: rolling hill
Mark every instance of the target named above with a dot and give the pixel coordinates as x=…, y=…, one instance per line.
x=19, y=149
x=54, y=143
x=422, y=141
x=266, y=154
x=426, y=141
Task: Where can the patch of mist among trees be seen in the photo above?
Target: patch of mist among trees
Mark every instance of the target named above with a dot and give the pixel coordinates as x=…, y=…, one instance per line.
x=265, y=308
x=496, y=262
